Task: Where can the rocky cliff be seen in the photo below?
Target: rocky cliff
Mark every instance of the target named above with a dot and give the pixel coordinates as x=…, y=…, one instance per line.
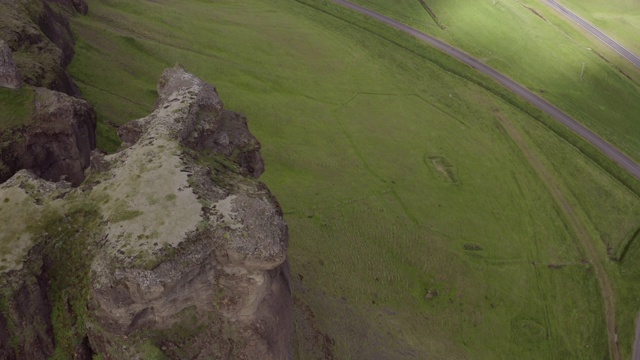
x=169, y=249
x=55, y=139
x=38, y=34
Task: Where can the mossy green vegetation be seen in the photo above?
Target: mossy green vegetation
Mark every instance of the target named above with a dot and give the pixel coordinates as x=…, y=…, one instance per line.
x=389, y=159
x=55, y=269
x=69, y=237
x=123, y=213
x=17, y=106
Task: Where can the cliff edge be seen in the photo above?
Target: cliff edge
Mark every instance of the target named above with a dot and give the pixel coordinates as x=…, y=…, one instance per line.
x=169, y=249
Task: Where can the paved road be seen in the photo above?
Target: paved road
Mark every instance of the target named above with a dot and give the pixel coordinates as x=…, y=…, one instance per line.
x=595, y=32
x=608, y=149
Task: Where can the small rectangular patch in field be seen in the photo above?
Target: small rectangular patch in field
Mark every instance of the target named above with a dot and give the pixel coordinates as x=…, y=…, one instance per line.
x=442, y=165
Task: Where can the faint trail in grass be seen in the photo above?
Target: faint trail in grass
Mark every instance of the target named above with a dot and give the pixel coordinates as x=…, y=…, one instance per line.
x=404, y=207
x=359, y=154
x=341, y=203
x=142, y=106
x=579, y=230
x=116, y=28
x=435, y=104
x=353, y=144
x=349, y=100
x=442, y=109
x=373, y=173
x=498, y=261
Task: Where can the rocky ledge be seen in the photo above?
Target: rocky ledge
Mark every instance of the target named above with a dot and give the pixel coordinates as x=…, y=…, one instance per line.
x=169, y=249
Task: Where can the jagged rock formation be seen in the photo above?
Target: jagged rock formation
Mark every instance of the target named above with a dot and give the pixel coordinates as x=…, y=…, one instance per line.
x=9, y=74
x=169, y=248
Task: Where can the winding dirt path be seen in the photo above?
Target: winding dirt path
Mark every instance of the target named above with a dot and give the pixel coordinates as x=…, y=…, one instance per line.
x=586, y=242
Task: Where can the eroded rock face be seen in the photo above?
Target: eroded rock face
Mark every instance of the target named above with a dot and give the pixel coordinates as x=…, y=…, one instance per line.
x=9, y=74
x=25, y=315
x=40, y=38
x=36, y=45
x=58, y=141
x=186, y=257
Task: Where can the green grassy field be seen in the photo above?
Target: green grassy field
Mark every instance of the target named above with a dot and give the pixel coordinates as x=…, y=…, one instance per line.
x=420, y=227
x=531, y=43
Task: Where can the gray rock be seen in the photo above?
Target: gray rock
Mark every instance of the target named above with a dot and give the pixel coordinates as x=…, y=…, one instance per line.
x=9, y=74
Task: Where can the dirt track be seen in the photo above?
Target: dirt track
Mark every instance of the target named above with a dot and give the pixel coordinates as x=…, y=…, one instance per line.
x=586, y=242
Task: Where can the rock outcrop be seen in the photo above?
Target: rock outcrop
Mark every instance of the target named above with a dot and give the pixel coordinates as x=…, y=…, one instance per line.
x=9, y=74
x=170, y=248
x=57, y=141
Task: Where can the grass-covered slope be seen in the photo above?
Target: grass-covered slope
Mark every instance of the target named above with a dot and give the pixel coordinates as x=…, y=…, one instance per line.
x=429, y=218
